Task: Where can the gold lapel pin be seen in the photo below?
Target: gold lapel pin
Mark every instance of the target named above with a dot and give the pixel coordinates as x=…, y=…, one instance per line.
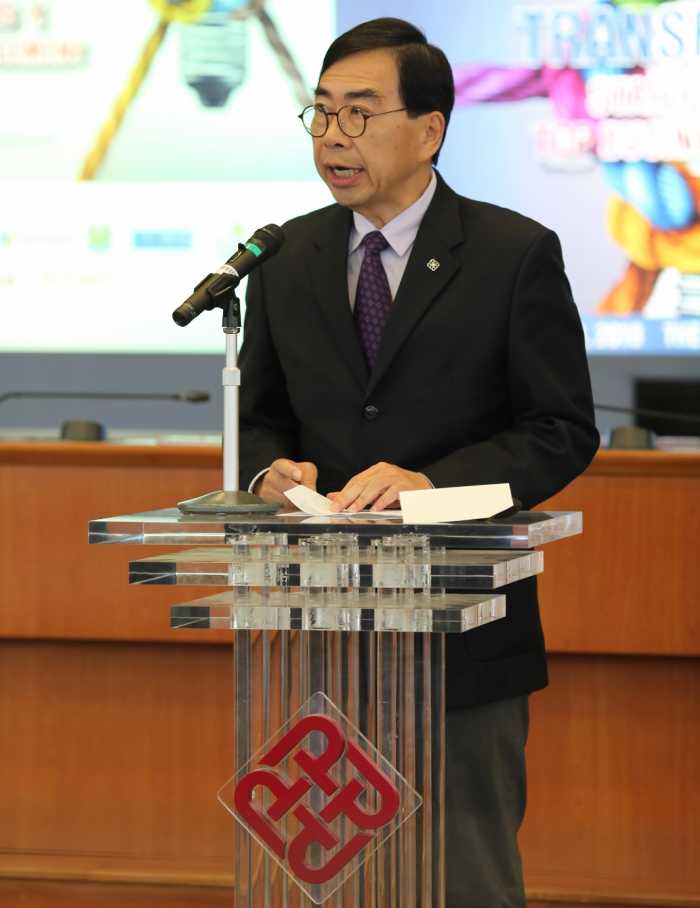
x=433, y=264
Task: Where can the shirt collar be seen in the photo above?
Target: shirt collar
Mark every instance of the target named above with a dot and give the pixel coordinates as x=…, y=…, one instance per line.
x=399, y=232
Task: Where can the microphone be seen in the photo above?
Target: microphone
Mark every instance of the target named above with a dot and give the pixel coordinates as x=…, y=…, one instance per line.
x=88, y=430
x=692, y=418
x=637, y=437
x=212, y=291
x=190, y=397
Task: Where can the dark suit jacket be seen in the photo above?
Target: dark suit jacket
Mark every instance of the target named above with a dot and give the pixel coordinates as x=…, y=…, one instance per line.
x=481, y=377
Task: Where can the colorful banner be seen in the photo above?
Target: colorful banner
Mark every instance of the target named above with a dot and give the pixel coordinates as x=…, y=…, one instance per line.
x=622, y=82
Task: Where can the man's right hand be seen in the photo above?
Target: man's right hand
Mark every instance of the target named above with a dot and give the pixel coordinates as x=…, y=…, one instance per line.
x=282, y=475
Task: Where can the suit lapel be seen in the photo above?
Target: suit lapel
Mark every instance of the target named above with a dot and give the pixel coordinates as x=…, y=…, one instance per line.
x=329, y=276
x=439, y=233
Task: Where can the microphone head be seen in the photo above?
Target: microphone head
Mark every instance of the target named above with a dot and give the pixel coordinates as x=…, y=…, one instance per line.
x=268, y=240
x=208, y=293
x=184, y=314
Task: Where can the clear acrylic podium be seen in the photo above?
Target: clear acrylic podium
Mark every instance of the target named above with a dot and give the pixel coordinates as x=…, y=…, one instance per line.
x=337, y=786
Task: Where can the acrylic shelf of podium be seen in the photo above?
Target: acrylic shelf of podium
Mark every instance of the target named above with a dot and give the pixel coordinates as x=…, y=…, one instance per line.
x=404, y=611
x=338, y=628
x=377, y=566
x=523, y=530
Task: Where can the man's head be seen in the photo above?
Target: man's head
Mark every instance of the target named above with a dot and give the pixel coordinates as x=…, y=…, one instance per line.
x=381, y=67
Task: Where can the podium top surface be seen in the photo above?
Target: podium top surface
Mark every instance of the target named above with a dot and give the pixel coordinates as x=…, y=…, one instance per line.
x=522, y=530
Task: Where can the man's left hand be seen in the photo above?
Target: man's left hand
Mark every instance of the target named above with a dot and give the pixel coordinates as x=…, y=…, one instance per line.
x=378, y=487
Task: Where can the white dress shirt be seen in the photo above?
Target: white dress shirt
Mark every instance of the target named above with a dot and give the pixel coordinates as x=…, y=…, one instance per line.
x=400, y=233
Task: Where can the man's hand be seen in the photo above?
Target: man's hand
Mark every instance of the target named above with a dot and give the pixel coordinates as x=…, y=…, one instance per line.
x=378, y=486
x=282, y=475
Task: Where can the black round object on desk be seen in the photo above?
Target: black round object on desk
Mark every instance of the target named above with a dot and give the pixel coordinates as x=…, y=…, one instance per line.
x=82, y=430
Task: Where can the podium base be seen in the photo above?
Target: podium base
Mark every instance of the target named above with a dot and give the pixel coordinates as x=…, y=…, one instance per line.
x=227, y=502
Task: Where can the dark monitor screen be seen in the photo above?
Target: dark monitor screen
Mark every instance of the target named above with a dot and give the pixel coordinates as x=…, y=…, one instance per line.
x=668, y=396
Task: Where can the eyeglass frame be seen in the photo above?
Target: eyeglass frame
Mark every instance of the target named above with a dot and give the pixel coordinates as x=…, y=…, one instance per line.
x=336, y=113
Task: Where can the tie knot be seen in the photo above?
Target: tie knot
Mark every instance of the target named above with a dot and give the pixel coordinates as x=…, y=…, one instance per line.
x=375, y=242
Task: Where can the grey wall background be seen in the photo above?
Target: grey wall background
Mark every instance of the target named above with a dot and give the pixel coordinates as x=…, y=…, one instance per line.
x=612, y=377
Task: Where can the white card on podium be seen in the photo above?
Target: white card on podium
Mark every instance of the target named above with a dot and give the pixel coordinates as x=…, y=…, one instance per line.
x=310, y=502
x=316, y=505
x=456, y=503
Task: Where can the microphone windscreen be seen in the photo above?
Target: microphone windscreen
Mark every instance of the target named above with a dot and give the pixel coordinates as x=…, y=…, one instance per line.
x=271, y=238
x=184, y=314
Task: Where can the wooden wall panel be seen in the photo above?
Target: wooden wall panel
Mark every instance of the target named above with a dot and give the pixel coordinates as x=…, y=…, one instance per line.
x=631, y=583
x=33, y=894
x=613, y=791
x=112, y=751
x=53, y=583
x=112, y=757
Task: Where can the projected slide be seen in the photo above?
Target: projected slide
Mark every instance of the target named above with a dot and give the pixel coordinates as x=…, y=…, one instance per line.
x=585, y=115
x=622, y=83
x=140, y=141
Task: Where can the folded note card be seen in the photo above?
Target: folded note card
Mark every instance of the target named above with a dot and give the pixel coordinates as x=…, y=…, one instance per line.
x=310, y=502
x=456, y=503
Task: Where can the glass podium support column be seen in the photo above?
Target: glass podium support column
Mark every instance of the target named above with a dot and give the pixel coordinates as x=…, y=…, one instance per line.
x=385, y=688
x=338, y=786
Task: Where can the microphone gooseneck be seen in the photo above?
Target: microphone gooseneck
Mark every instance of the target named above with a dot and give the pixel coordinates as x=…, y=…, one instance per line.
x=653, y=414
x=190, y=397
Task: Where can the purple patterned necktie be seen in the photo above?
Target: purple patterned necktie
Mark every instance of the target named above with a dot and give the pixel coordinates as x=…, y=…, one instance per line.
x=373, y=298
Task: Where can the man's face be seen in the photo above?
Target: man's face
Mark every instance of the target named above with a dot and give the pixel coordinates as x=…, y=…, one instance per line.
x=386, y=169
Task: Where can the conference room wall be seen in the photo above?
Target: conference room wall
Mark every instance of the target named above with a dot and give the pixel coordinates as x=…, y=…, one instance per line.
x=613, y=383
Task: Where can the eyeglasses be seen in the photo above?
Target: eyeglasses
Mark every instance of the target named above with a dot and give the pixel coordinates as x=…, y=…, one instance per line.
x=351, y=120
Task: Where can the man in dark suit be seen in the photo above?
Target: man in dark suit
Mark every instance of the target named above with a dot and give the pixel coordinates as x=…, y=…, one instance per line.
x=408, y=337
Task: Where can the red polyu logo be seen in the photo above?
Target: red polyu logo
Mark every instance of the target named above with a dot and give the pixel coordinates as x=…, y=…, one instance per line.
x=341, y=801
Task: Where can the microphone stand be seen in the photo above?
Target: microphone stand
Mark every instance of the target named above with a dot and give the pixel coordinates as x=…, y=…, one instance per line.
x=230, y=499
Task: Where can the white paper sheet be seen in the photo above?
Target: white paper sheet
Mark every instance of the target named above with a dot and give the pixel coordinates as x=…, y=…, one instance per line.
x=309, y=501
x=456, y=503
x=316, y=505
x=347, y=516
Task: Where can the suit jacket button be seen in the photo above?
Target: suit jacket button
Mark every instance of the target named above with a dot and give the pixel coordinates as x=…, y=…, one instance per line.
x=370, y=412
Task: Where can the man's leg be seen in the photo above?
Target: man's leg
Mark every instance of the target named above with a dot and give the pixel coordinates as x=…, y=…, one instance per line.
x=485, y=793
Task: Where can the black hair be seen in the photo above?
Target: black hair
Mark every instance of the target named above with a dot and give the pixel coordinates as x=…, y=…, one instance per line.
x=425, y=75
